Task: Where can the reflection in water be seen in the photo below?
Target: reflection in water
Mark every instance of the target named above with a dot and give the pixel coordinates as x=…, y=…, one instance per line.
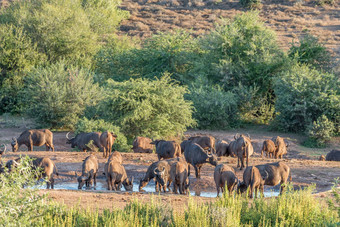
x=102, y=186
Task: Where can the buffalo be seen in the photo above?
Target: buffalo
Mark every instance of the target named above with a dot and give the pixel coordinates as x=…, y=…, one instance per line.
x=142, y=145
x=224, y=175
x=167, y=149
x=89, y=172
x=150, y=173
x=206, y=142
x=116, y=176
x=47, y=168
x=179, y=177
x=34, y=137
x=12, y=164
x=242, y=148
x=281, y=146
x=268, y=147
x=107, y=139
x=82, y=139
x=333, y=155
x=222, y=149
x=275, y=173
x=253, y=179
x=116, y=157
x=196, y=156
x=162, y=175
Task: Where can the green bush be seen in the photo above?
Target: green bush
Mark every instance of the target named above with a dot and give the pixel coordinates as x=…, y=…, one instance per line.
x=176, y=53
x=326, y=2
x=86, y=125
x=214, y=108
x=143, y=107
x=251, y=4
x=303, y=95
x=321, y=130
x=57, y=95
x=245, y=51
x=310, y=51
x=17, y=55
x=20, y=207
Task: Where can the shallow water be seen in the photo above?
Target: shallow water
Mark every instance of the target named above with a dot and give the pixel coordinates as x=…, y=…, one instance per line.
x=102, y=186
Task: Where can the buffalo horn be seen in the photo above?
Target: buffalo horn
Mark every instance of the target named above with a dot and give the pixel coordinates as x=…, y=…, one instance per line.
x=132, y=178
x=248, y=135
x=236, y=136
x=266, y=176
x=154, y=171
x=67, y=136
x=16, y=163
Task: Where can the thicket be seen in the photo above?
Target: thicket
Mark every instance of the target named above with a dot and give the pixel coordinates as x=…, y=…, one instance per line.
x=58, y=94
x=153, y=108
x=37, y=31
x=303, y=95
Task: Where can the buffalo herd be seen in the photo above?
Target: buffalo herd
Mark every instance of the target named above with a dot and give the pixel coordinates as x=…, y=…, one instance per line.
x=173, y=165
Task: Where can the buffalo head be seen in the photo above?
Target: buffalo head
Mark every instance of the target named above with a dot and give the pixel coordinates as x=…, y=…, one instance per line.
x=128, y=184
x=70, y=141
x=212, y=159
x=160, y=175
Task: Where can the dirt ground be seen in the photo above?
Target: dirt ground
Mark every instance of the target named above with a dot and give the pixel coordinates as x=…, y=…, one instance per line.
x=305, y=170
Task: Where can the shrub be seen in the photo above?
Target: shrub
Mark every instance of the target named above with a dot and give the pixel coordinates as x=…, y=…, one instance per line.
x=303, y=95
x=214, y=108
x=147, y=108
x=86, y=125
x=176, y=53
x=251, y=4
x=244, y=51
x=321, y=130
x=310, y=51
x=20, y=207
x=58, y=94
x=326, y=2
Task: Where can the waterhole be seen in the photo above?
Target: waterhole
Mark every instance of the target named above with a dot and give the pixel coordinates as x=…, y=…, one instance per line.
x=102, y=186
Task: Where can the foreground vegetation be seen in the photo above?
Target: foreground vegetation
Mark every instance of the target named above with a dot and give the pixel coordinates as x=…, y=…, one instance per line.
x=25, y=207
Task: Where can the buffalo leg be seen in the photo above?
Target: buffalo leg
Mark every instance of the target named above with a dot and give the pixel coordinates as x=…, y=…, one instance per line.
x=262, y=190
x=256, y=192
x=218, y=189
x=238, y=162
x=95, y=179
x=197, y=172
x=175, y=188
x=52, y=182
x=47, y=147
x=108, y=181
x=188, y=169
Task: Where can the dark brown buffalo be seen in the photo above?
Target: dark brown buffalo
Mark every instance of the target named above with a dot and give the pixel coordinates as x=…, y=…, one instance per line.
x=162, y=175
x=242, y=148
x=89, y=172
x=268, y=147
x=12, y=164
x=82, y=139
x=222, y=149
x=276, y=173
x=281, y=146
x=34, y=137
x=206, y=142
x=196, y=156
x=179, y=177
x=333, y=155
x=150, y=173
x=224, y=175
x=142, y=145
x=116, y=177
x=167, y=149
x=116, y=157
x=107, y=139
x=48, y=168
x=2, y=152
x=253, y=179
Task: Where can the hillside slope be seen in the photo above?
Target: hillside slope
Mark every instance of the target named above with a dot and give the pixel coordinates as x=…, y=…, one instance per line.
x=288, y=18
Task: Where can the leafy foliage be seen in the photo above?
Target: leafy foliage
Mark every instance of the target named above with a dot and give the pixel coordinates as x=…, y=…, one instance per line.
x=303, y=95
x=321, y=130
x=20, y=207
x=214, y=108
x=176, y=53
x=147, y=108
x=310, y=51
x=86, y=125
x=57, y=95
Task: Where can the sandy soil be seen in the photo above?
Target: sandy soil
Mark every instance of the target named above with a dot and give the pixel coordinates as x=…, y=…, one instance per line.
x=305, y=170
